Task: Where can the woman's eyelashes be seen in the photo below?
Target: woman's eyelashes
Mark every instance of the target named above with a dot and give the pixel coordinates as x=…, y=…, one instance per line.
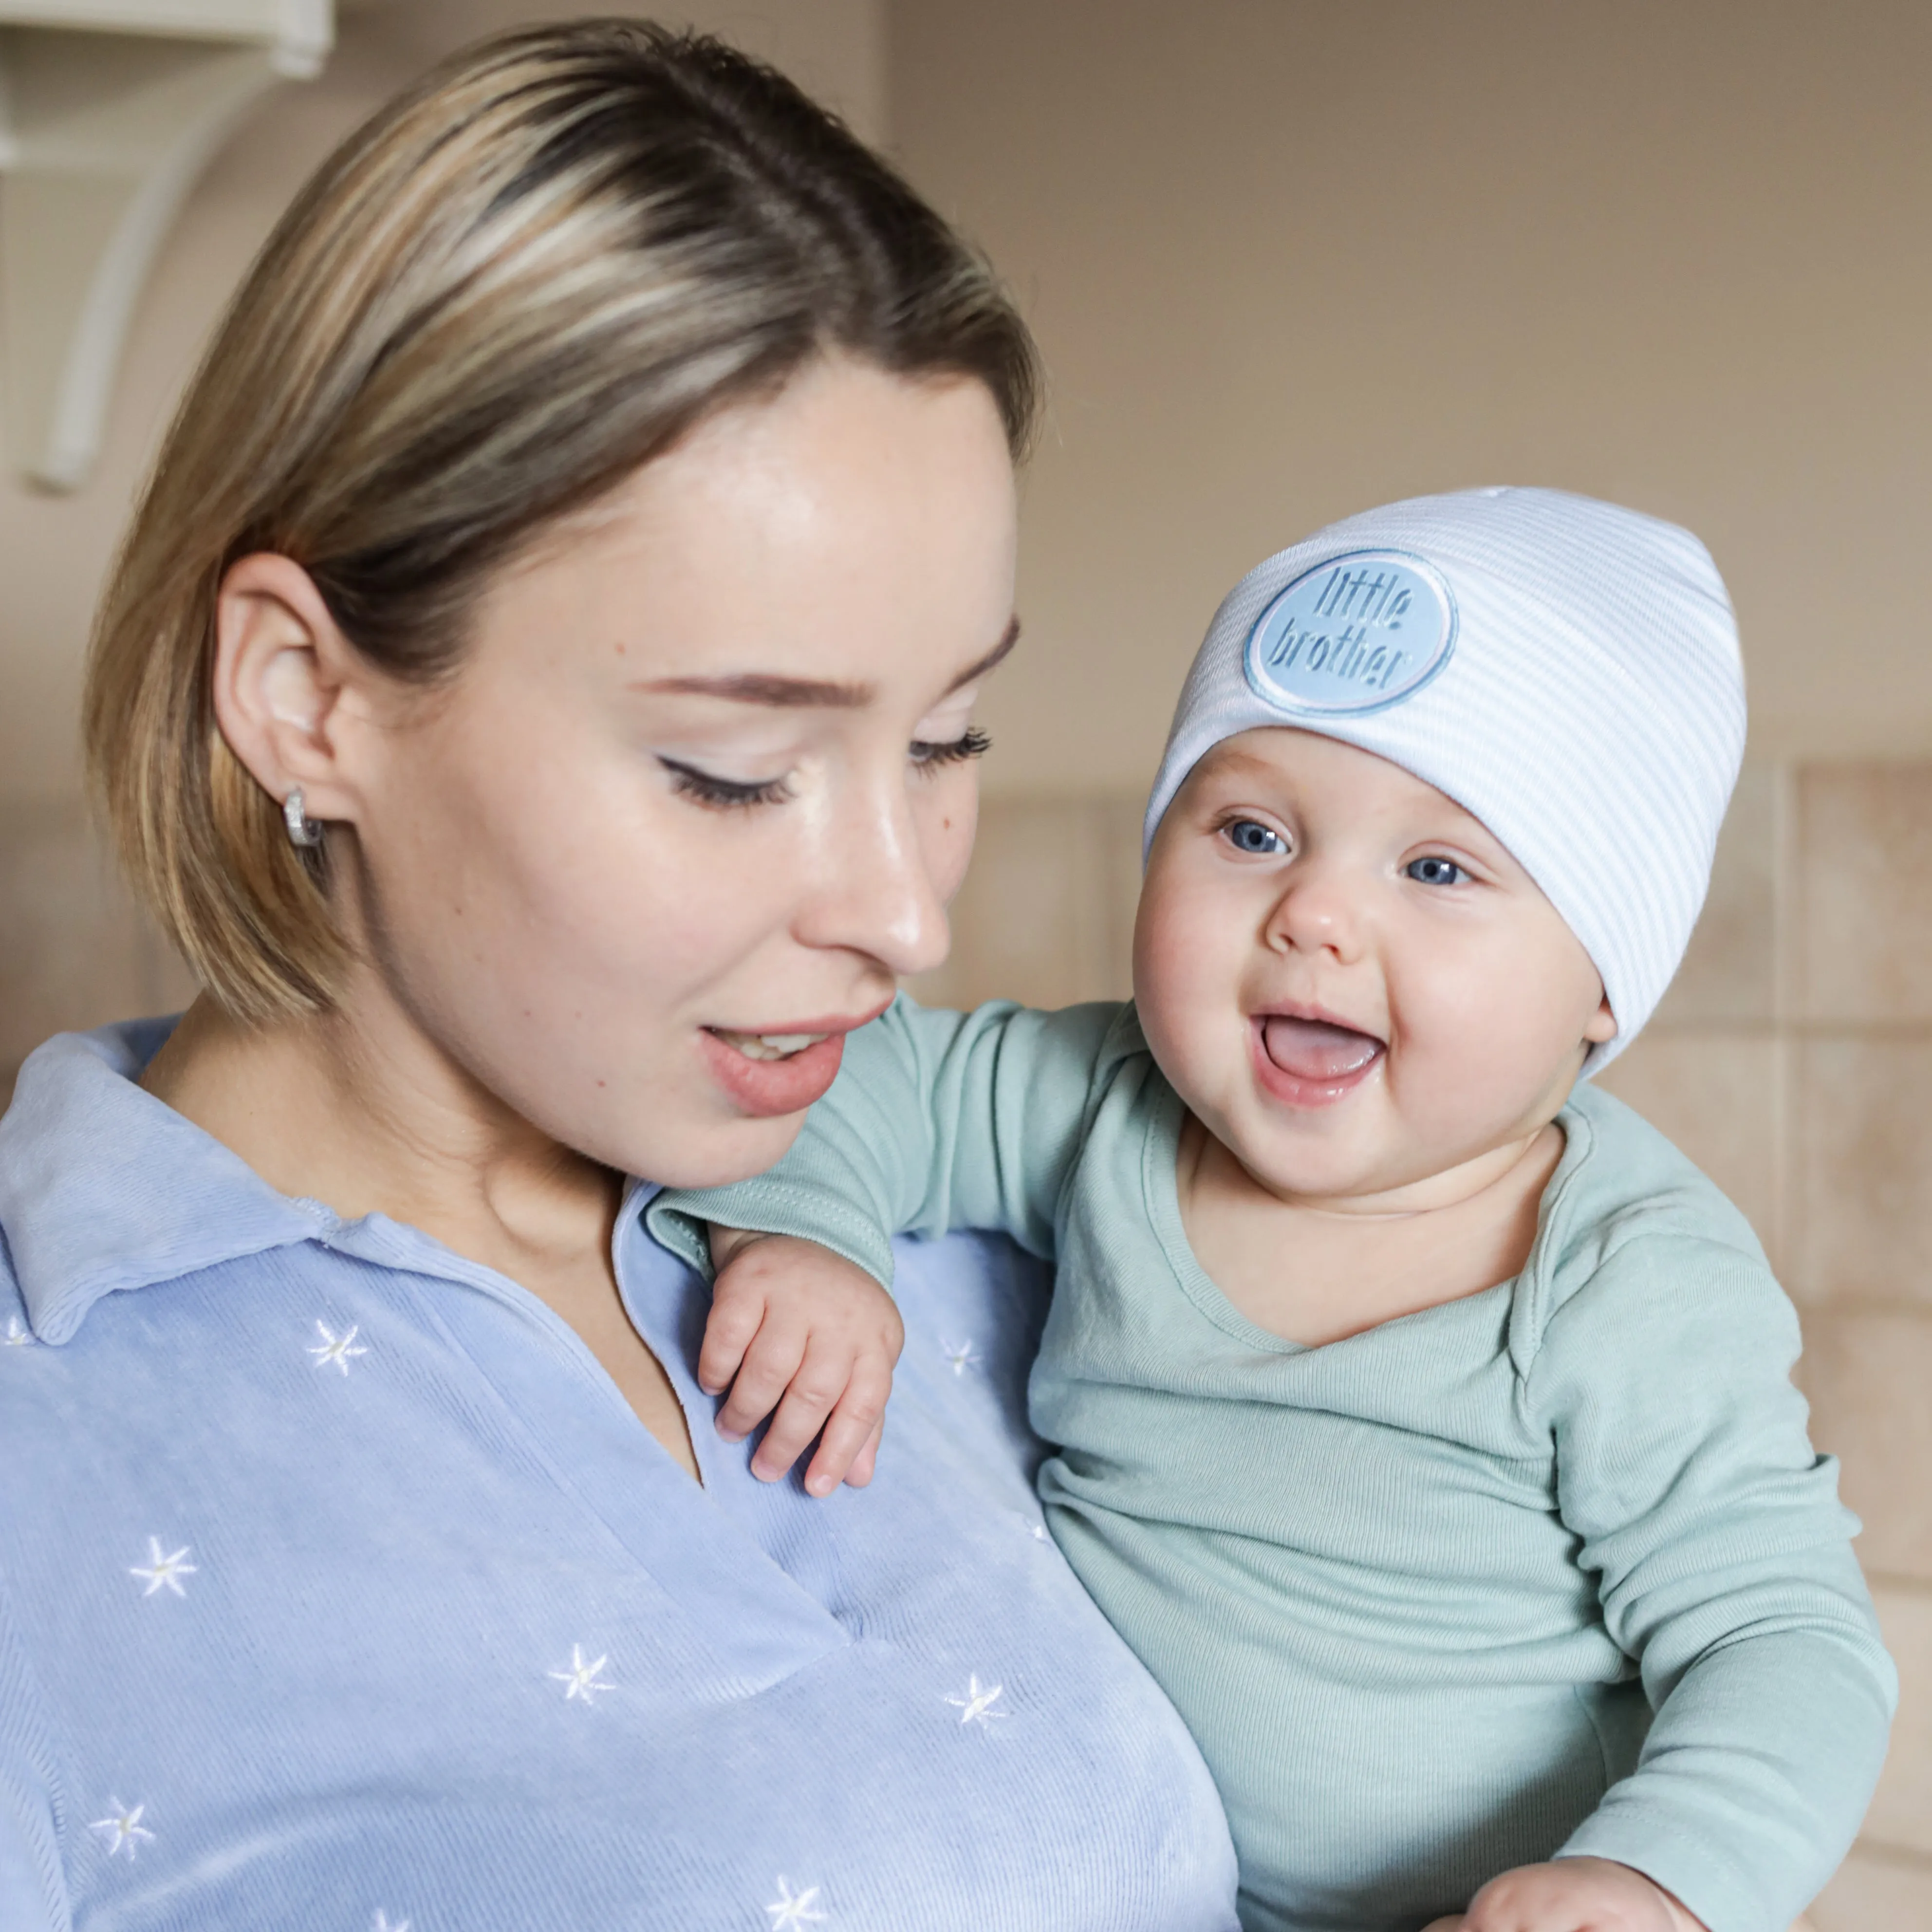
x=971, y=743
x=720, y=794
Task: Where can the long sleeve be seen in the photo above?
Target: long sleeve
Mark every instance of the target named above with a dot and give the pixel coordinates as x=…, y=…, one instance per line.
x=937, y=1121
x=1725, y=1571
x=33, y=1893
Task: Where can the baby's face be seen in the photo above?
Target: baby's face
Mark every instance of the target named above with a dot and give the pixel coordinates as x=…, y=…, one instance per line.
x=1346, y=978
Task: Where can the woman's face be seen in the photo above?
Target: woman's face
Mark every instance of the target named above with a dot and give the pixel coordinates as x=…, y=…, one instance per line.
x=704, y=785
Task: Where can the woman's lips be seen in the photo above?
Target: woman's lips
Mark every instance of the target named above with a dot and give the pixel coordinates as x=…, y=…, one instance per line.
x=780, y=1072
x=1312, y=1063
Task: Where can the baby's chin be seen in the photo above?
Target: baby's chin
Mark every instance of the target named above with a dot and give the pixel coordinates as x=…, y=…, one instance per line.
x=1361, y=1147
x=1337, y=1154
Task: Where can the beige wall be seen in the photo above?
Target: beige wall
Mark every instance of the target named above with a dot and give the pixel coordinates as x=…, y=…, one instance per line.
x=1790, y=1060
x=54, y=550
x=1289, y=258
x=72, y=952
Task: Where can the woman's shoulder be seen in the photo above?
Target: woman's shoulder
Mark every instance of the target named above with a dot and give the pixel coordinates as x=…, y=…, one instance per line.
x=329, y=1487
x=104, y=1190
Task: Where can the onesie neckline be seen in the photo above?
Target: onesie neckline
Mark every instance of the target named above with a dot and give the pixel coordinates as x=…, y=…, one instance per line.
x=1161, y=1197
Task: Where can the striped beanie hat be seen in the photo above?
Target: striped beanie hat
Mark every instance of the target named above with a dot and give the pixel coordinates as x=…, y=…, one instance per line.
x=1565, y=670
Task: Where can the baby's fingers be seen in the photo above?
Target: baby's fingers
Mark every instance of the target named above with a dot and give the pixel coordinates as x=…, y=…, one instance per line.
x=770, y=1364
x=852, y=1431
x=815, y=1389
x=736, y=1315
x=865, y=1464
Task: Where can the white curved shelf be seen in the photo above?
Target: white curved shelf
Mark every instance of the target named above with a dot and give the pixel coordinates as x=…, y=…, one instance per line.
x=108, y=111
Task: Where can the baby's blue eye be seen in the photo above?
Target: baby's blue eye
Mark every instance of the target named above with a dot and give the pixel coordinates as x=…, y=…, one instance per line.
x=1435, y=871
x=1246, y=835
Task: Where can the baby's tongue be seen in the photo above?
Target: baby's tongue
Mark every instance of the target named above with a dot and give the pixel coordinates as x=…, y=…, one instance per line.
x=1313, y=1050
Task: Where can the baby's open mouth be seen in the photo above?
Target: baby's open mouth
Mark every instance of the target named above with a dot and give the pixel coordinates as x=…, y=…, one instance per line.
x=769, y=1045
x=1316, y=1052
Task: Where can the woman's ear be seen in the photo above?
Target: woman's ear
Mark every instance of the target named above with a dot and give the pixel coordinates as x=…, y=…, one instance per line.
x=283, y=670
x=1603, y=1024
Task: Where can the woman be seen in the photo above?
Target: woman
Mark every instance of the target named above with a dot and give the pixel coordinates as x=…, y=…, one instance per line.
x=536, y=696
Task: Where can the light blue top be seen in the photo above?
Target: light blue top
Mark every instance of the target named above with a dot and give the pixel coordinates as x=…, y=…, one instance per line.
x=340, y=1589
x=1552, y=1568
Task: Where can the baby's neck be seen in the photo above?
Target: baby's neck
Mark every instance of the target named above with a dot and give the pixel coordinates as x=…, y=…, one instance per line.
x=1316, y=1272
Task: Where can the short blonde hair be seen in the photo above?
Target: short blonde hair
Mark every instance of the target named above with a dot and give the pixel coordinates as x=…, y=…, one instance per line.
x=519, y=282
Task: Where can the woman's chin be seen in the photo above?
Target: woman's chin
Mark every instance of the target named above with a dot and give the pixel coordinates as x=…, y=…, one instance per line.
x=717, y=1156
x=704, y=1140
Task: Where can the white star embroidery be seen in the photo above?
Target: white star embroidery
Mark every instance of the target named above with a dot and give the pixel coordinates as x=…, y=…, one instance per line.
x=793, y=1909
x=965, y=1357
x=124, y=1830
x=977, y=1706
x=383, y=1923
x=337, y=1348
x=16, y=1336
x=582, y=1679
x=164, y=1573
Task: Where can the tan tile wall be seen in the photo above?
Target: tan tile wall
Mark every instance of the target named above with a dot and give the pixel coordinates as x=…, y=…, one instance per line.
x=1792, y=1060
x=73, y=951
x=1047, y=913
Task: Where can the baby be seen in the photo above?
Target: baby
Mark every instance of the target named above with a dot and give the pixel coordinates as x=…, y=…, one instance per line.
x=1424, y=1417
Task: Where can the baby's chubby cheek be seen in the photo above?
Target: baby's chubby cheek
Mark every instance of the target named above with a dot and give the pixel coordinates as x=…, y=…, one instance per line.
x=1485, y=1046
x=1187, y=992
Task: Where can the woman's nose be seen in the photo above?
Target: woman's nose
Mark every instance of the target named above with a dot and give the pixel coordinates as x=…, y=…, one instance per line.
x=877, y=894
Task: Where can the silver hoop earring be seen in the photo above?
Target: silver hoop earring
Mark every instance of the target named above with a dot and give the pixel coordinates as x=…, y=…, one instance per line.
x=303, y=830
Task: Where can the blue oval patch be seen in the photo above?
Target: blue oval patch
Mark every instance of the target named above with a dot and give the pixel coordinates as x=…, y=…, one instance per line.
x=1355, y=634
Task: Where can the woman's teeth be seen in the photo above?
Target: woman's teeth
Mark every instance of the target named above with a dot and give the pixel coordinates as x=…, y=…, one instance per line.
x=769, y=1046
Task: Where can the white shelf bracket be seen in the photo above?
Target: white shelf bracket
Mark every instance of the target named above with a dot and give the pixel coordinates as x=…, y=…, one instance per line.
x=108, y=111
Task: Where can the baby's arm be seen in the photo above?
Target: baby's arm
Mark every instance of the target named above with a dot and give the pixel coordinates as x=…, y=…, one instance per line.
x=937, y=1121
x=1725, y=1572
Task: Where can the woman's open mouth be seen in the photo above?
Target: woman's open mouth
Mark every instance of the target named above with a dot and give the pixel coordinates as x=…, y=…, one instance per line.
x=769, y=1074
x=769, y=1046
x=1312, y=1063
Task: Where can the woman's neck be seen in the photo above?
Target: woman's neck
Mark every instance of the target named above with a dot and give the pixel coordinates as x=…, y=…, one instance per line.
x=358, y=1109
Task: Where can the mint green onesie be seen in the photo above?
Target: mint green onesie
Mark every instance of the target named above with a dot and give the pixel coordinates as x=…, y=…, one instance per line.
x=1552, y=1568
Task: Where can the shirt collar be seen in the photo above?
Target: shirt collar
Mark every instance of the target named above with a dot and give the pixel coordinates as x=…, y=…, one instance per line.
x=103, y=1188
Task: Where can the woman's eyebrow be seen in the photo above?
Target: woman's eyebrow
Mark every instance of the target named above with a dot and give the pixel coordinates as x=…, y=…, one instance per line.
x=753, y=687
x=1008, y=638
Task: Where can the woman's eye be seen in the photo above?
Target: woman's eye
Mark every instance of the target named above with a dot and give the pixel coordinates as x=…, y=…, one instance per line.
x=1435, y=871
x=971, y=743
x=1249, y=834
x=719, y=794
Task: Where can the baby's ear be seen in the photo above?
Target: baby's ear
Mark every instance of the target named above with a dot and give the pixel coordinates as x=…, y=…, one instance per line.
x=1602, y=1023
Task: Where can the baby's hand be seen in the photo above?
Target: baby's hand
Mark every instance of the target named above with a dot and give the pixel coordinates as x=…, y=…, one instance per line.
x=791, y=1319
x=1572, y=1895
